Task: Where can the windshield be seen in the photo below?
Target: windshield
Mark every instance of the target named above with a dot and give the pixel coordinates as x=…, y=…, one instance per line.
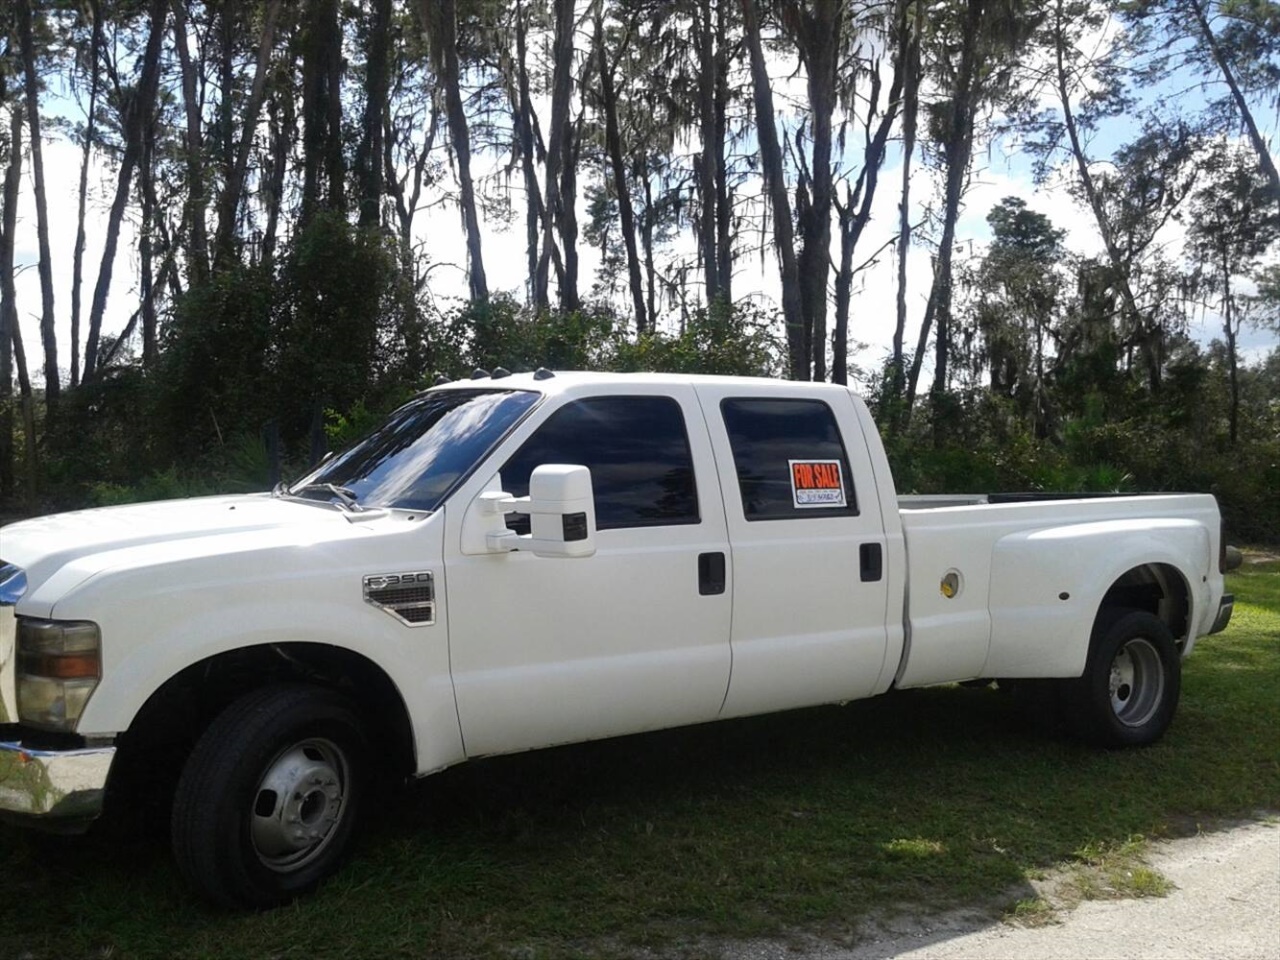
x=426, y=447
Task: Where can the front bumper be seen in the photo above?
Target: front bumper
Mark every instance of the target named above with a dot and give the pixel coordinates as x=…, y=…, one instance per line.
x=56, y=789
x=59, y=790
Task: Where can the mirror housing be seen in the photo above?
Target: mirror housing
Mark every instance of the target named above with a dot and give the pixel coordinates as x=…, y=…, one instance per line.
x=561, y=509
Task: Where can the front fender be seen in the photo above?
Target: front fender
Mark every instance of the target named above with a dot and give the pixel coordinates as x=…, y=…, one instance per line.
x=160, y=615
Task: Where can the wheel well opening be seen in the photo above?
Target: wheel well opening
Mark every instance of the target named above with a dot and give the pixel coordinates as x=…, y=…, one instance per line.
x=1157, y=588
x=173, y=717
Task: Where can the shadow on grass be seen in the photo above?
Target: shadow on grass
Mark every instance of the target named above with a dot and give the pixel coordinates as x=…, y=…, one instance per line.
x=814, y=818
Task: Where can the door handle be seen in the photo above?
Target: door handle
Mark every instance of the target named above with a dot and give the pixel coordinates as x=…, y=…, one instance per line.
x=710, y=574
x=871, y=560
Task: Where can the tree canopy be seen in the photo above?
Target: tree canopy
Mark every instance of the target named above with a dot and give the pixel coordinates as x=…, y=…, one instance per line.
x=290, y=216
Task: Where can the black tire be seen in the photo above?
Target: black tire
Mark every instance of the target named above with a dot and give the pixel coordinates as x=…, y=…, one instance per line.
x=267, y=803
x=1131, y=683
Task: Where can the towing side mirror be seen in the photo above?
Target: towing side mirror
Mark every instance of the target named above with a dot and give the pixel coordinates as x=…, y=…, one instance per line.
x=561, y=509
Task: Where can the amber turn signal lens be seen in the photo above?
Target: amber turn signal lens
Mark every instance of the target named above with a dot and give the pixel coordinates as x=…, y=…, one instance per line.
x=67, y=666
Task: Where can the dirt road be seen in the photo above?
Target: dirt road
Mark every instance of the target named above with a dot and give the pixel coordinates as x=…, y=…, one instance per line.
x=1225, y=905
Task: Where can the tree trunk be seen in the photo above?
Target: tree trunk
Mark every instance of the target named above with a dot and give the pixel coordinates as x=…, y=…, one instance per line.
x=724, y=202
x=775, y=183
x=568, y=217
x=377, y=79
x=1082, y=164
x=283, y=129
x=228, y=27
x=922, y=344
x=233, y=190
x=1259, y=145
x=958, y=150
x=48, y=335
x=557, y=142
x=613, y=143
x=28, y=415
x=703, y=39
x=194, y=213
x=136, y=112
x=323, y=172
x=150, y=283
x=856, y=212
x=444, y=14
x=407, y=206
x=524, y=137
x=646, y=244
x=77, y=263
x=1230, y=326
x=844, y=292
x=335, y=163
x=13, y=357
x=1135, y=321
x=910, y=111
x=8, y=295
x=146, y=285
x=820, y=37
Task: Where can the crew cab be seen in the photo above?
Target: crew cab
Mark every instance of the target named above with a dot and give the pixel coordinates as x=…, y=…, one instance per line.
x=516, y=561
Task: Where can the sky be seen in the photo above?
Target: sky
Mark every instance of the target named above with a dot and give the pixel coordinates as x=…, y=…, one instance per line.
x=1000, y=172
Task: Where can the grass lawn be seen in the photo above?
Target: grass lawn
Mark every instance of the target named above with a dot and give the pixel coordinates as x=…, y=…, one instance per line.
x=814, y=819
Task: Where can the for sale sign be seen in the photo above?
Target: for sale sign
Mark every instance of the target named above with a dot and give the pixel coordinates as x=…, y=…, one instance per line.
x=817, y=483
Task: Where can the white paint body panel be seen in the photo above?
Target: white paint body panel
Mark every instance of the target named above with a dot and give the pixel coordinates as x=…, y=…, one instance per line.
x=553, y=651
x=528, y=651
x=167, y=597
x=1015, y=560
x=806, y=630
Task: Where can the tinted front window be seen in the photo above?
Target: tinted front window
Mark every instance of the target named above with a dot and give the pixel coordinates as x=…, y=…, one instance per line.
x=424, y=449
x=790, y=460
x=638, y=453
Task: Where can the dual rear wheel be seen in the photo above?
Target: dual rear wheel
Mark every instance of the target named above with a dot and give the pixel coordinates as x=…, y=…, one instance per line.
x=1128, y=692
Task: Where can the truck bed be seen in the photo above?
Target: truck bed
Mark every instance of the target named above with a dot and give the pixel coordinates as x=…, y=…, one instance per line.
x=1030, y=572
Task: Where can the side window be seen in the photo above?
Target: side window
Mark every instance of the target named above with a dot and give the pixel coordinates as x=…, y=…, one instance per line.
x=638, y=453
x=790, y=460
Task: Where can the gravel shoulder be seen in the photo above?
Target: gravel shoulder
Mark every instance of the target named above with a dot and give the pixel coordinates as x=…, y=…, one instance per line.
x=1224, y=905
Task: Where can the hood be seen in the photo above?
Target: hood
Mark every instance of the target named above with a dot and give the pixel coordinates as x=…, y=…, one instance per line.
x=42, y=546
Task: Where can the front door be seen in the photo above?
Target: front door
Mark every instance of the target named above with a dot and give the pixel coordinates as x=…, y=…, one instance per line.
x=636, y=637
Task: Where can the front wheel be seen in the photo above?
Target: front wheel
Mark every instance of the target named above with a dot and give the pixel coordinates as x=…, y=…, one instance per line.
x=1130, y=687
x=267, y=803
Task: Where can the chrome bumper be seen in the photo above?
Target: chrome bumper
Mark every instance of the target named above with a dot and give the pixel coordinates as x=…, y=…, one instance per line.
x=59, y=789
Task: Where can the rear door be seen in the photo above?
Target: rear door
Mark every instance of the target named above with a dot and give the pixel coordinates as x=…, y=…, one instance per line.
x=807, y=543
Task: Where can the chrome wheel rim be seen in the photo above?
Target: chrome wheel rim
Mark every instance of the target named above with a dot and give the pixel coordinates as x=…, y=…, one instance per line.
x=1136, y=683
x=298, y=804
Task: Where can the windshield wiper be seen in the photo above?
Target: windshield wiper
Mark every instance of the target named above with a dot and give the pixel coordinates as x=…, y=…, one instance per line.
x=346, y=495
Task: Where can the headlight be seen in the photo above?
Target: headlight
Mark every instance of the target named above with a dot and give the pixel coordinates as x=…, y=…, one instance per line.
x=59, y=665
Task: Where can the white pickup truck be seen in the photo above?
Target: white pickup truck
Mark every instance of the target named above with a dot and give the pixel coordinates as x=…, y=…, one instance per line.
x=517, y=561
